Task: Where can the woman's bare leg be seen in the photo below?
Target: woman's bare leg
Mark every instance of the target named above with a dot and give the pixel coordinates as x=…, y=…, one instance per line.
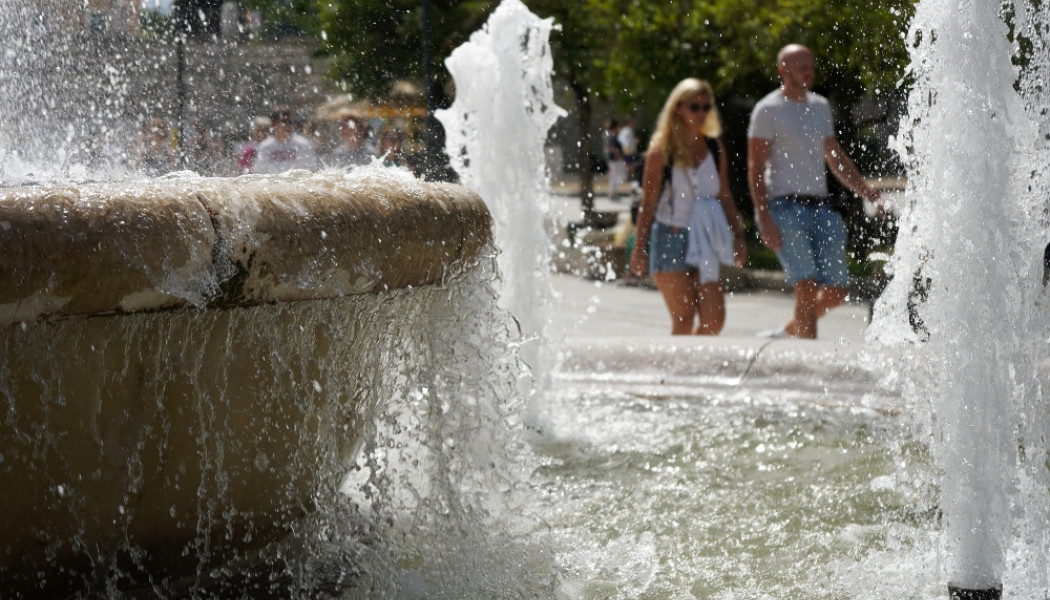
x=679, y=289
x=712, y=309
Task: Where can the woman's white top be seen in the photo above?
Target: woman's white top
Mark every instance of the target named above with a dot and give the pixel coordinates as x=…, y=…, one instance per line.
x=710, y=240
x=691, y=202
x=687, y=184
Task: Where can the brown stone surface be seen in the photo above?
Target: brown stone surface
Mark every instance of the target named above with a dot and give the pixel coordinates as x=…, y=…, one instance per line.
x=111, y=248
x=141, y=449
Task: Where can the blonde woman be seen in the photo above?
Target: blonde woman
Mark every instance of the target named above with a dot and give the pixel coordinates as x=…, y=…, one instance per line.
x=686, y=172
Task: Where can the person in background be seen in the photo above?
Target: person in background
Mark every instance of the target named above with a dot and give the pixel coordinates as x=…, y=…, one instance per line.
x=688, y=223
x=629, y=147
x=314, y=133
x=354, y=147
x=153, y=151
x=390, y=148
x=202, y=152
x=260, y=130
x=616, y=169
x=791, y=139
x=284, y=150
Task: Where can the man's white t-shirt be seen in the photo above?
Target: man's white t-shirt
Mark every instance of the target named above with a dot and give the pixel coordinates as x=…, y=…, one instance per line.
x=797, y=131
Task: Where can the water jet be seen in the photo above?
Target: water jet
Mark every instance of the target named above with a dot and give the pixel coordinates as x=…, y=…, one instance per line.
x=973, y=232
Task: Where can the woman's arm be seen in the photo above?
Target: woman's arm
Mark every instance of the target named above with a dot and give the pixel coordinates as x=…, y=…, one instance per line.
x=652, y=183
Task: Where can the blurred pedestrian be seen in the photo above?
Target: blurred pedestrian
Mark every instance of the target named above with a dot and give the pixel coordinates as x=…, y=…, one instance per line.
x=153, y=151
x=284, y=150
x=791, y=144
x=390, y=149
x=314, y=134
x=616, y=169
x=260, y=130
x=688, y=223
x=354, y=148
x=629, y=148
x=201, y=148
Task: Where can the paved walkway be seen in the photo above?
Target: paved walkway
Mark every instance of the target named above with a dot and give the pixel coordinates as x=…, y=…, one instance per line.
x=608, y=309
x=612, y=332
x=610, y=335
x=591, y=309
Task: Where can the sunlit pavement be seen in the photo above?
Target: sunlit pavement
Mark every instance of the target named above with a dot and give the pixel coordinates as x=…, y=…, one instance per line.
x=609, y=309
x=585, y=308
x=611, y=329
x=612, y=334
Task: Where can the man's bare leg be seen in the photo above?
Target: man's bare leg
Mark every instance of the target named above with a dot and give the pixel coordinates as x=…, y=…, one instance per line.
x=812, y=301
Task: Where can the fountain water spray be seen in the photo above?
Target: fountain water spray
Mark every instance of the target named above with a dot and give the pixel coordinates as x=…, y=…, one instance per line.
x=496, y=130
x=969, y=262
x=290, y=415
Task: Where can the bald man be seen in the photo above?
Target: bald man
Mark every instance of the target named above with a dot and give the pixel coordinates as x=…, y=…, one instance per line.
x=791, y=139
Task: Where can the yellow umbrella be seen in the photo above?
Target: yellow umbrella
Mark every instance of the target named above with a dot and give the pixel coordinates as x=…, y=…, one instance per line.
x=343, y=106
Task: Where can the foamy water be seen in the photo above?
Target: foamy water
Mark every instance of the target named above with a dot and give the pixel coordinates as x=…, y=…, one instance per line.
x=725, y=492
x=971, y=238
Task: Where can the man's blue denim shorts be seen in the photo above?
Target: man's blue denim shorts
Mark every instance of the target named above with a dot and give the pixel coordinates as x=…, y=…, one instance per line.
x=667, y=247
x=813, y=242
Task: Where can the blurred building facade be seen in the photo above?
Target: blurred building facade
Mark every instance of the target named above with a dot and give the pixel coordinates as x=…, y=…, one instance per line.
x=104, y=17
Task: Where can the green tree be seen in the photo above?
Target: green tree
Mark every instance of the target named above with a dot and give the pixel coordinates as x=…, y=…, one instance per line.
x=585, y=52
x=284, y=18
x=624, y=53
x=377, y=42
x=630, y=53
x=733, y=43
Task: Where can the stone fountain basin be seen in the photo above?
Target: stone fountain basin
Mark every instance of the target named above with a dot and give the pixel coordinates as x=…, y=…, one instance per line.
x=177, y=362
x=215, y=242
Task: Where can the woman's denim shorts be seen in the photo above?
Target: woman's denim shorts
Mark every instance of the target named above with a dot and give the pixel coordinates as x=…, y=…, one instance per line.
x=813, y=242
x=667, y=247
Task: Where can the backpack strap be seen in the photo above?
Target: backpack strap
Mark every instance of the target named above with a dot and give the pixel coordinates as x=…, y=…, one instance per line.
x=715, y=150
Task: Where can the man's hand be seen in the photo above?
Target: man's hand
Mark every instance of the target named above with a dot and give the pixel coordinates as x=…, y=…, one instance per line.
x=768, y=231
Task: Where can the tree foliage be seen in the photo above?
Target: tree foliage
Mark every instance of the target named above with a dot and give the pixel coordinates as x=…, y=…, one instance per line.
x=626, y=54
x=377, y=42
x=733, y=44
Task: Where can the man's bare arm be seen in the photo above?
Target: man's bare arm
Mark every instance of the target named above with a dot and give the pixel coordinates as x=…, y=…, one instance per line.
x=844, y=170
x=758, y=150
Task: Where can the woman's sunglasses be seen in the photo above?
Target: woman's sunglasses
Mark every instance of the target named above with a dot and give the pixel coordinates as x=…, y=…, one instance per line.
x=697, y=107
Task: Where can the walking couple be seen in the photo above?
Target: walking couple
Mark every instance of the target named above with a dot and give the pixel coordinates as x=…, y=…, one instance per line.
x=682, y=237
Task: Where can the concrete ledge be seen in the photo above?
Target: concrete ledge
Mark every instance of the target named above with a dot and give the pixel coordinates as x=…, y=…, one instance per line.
x=211, y=242
x=143, y=450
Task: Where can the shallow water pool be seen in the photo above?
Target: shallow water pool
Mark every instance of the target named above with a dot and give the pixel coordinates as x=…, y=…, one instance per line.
x=733, y=493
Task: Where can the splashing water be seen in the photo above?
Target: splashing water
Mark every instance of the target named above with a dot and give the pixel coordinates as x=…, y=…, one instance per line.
x=430, y=507
x=446, y=501
x=79, y=80
x=968, y=264
x=496, y=129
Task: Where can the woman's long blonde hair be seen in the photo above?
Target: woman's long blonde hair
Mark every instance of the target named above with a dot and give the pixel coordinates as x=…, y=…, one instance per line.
x=671, y=136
